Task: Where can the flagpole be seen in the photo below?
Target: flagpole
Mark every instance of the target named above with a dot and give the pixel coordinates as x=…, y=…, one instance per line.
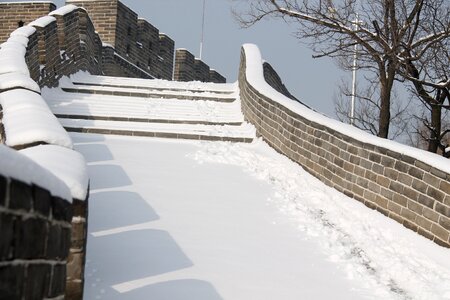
x=203, y=29
x=355, y=59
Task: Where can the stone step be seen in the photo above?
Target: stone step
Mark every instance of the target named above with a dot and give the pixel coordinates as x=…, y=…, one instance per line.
x=139, y=109
x=243, y=133
x=158, y=94
x=144, y=120
x=155, y=88
x=154, y=84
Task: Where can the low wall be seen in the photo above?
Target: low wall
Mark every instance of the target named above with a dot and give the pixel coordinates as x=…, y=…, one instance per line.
x=406, y=184
x=35, y=231
x=189, y=68
x=33, y=54
x=274, y=80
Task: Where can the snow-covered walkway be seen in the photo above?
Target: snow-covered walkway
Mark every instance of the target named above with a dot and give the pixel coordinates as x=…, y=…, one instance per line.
x=212, y=220
x=185, y=219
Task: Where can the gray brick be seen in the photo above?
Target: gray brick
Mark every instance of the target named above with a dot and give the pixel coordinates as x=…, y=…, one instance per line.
x=443, y=209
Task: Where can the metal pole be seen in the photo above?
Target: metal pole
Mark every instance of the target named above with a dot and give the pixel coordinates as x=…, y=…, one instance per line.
x=355, y=58
x=203, y=29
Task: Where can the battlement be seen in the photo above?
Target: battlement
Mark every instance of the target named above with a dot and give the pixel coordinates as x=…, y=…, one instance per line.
x=138, y=41
x=120, y=43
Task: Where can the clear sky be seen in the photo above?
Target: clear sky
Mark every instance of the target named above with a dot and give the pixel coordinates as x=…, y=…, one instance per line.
x=313, y=81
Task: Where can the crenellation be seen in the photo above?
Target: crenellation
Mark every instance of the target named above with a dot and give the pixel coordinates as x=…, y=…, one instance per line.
x=150, y=53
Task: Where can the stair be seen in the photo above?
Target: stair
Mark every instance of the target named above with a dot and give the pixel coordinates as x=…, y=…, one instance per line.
x=150, y=108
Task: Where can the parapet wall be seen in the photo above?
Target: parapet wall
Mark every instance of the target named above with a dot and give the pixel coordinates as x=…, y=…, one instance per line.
x=274, y=80
x=408, y=185
x=41, y=219
x=189, y=68
x=35, y=234
x=138, y=42
x=125, y=45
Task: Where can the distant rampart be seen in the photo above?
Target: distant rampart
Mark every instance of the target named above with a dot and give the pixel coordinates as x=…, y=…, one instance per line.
x=104, y=38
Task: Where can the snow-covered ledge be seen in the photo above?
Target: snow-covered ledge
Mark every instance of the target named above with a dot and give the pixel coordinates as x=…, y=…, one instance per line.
x=48, y=171
x=409, y=185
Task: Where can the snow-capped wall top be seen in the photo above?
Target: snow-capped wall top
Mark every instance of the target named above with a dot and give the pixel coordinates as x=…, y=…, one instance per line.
x=28, y=120
x=18, y=80
x=255, y=77
x=17, y=166
x=62, y=11
x=21, y=39
x=43, y=21
x=13, y=47
x=25, y=31
x=12, y=58
x=66, y=164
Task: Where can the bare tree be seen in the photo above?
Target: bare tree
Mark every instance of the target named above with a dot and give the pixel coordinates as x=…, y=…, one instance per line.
x=429, y=73
x=420, y=135
x=380, y=28
x=367, y=109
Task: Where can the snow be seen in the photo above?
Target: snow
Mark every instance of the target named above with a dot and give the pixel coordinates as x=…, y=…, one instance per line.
x=68, y=165
x=243, y=131
x=43, y=21
x=14, y=80
x=17, y=166
x=27, y=119
x=62, y=11
x=201, y=220
x=154, y=92
x=85, y=78
x=13, y=47
x=23, y=40
x=255, y=76
x=12, y=58
x=140, y=107
x=25, y=31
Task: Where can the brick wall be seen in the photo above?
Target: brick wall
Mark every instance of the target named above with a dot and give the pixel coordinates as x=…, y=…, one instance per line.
x=215, y=77
x=201, y=71
x=34, y=243
x=274, y=80
x=13, y=13
x=184, y=65
x=165, y=57
x=32, y=57
x=399, y=186
x=77, y=255
x=116, y=65
x=189, y=68
x=103, y=14
x=49, y=53
x=148, y=39
x=136, y=41
x=79, y=45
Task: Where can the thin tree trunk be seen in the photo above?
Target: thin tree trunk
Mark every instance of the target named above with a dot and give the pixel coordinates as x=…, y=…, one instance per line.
x=386, y=84
x=434, y=142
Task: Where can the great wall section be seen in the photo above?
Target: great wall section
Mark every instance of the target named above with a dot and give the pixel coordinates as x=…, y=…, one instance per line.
x=44, y=211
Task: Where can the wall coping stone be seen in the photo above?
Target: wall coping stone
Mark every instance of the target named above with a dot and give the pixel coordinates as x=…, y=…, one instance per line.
x=43, y=21
x=20, y=167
